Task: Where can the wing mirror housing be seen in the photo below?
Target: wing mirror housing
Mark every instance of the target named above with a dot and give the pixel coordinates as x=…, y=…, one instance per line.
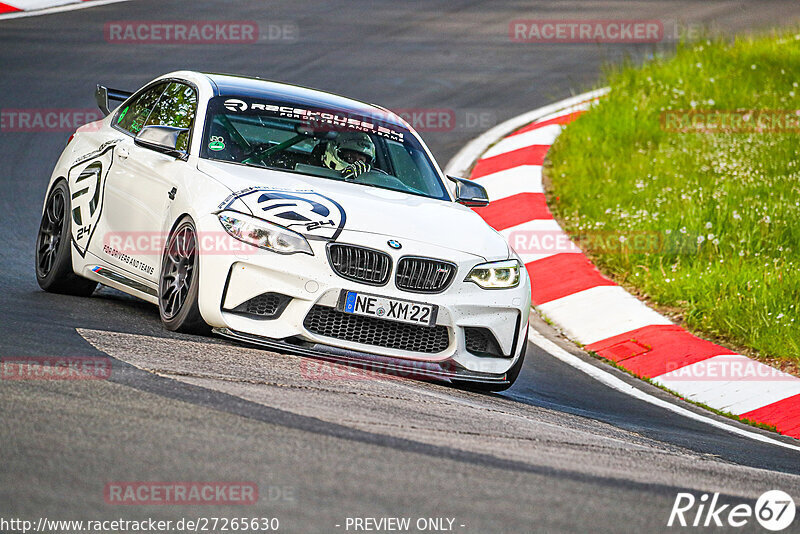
x=162, y=139
x=470, y=193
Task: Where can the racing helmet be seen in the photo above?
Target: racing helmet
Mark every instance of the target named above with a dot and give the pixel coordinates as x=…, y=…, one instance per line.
x=348, y=148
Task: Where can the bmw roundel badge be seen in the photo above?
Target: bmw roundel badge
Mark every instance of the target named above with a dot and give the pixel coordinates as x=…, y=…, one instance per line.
x=394, y=244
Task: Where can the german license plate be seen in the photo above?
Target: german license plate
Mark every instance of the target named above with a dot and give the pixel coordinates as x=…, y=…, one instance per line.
x=404, y=311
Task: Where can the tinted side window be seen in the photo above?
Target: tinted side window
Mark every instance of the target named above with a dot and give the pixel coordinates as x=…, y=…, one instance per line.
x=176, y=108
x=134, y=115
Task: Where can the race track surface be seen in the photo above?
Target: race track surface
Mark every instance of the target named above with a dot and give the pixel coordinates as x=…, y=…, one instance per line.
x=557, y=452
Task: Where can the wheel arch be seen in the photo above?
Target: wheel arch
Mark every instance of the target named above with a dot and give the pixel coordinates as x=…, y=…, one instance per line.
x=50, y=188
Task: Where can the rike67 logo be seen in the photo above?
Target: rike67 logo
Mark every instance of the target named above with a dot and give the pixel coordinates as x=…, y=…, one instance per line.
x=774, y=510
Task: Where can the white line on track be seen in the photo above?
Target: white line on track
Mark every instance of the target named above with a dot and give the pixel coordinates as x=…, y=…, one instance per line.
x=616, y=383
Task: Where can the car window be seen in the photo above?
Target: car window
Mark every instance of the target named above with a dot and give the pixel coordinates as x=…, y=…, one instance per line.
x=133, y=116
x=177, y=108
x=407, y=164
x=288, y=137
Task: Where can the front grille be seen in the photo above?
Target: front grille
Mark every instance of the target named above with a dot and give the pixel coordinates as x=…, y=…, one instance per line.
x=266, y=305
x=361, y=264
x=481, y=342
x=424, y=275
x=330, y=322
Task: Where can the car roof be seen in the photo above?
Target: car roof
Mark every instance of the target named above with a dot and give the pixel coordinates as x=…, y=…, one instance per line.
x=245, y=86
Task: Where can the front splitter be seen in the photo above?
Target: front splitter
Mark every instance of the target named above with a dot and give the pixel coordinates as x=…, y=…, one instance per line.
x=369, y=363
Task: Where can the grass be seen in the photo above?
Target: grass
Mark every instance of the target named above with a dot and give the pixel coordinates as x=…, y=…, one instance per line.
x=705, y=225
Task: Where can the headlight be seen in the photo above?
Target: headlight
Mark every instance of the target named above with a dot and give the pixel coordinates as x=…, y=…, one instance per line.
x=496, y=275
x=263, y=234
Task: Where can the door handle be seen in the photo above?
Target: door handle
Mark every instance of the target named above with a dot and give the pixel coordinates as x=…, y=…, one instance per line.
x=123, y=152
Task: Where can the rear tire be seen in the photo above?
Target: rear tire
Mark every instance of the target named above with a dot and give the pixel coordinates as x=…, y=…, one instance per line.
x=54, y=271
x=178, y=284
x=511, y=375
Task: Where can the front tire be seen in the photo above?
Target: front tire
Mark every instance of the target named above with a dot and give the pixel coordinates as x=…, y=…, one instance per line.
x=179, y=281
x=54, y=271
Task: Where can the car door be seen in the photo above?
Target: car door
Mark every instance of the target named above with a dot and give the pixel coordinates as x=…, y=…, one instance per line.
x=142, y=182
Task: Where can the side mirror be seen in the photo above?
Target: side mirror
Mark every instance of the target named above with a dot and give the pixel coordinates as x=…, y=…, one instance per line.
x=469, y=193
x=162, y=139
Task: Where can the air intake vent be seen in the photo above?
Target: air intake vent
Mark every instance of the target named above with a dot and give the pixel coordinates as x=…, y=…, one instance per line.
x=360, y=264
x=424, y=275
x=265, y=306
x=330, y=322
x=481, y=342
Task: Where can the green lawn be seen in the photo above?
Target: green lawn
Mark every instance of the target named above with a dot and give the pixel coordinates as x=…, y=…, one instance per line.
x=723, y=209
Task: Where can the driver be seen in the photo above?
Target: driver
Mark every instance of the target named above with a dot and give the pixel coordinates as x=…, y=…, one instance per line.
x=351, y=153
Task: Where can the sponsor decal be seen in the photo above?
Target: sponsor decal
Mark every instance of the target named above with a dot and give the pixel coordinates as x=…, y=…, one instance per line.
x=315, y=118
x=306, y=212
x=122, y=115
x=125, y=258
x=87, y=184
x=234, y=104
x=216, y=144
x=102, y=148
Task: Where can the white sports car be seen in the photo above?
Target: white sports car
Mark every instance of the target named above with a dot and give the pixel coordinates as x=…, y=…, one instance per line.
x=290, y=218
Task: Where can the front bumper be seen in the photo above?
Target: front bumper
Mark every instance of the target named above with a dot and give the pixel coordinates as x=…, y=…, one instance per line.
x=366, y=363
x=232, y=279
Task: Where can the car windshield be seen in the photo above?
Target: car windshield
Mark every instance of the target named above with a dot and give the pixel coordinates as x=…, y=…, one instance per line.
x=324, y=143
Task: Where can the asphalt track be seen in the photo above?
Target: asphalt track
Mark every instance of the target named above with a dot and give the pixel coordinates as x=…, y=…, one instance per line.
x=557, y=452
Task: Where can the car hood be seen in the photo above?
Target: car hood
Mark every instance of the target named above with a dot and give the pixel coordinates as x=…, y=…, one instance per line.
x=321, y=208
